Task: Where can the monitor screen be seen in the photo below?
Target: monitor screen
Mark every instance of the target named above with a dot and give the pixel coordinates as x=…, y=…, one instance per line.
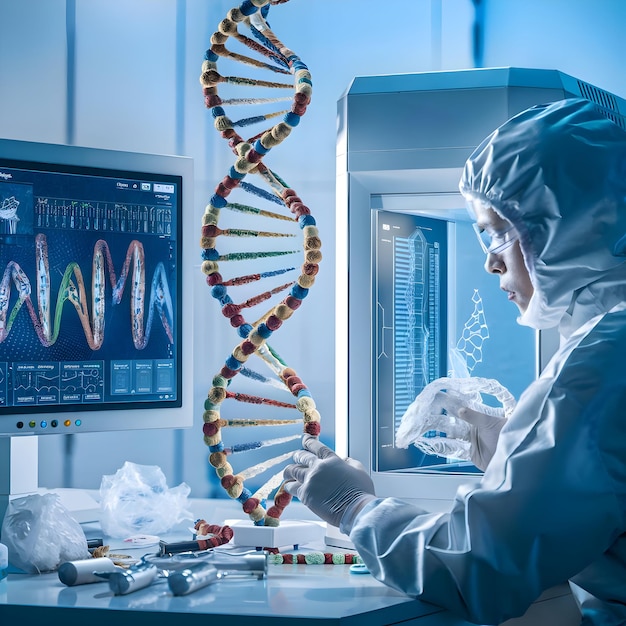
x=410, y=292
x=421, y=307
x=435, y=313
x=92, y=299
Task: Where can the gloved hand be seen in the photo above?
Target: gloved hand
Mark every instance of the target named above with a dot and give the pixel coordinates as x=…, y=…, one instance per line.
x=328, y=485
x=484, y=422
x=484, y=433
x=466, y=428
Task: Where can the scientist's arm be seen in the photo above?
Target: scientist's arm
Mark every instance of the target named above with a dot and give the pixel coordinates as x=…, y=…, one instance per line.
x=549, y=504
x=542, y=513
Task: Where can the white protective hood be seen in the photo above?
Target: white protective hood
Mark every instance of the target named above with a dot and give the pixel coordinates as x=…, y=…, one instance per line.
x=557, y=172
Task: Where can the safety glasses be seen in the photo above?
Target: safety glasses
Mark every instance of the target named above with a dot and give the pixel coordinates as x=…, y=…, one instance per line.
x=495, y=242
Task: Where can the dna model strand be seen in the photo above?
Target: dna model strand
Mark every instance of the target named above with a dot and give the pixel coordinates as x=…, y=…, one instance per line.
x=73, y=290
x=269, y=55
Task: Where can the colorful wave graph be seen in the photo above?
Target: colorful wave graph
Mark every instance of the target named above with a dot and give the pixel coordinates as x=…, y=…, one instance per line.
x=72, y=289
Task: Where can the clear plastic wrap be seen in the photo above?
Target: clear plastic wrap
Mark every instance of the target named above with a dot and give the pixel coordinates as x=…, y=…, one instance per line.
x=431, y=422
x=40, y=534
x=137, y=500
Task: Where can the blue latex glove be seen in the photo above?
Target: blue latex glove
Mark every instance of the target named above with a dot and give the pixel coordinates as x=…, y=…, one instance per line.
x=331, y=487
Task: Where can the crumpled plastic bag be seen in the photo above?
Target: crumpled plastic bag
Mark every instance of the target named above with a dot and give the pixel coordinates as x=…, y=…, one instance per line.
x=137, y=500
x=430, y=423
x=40, y=534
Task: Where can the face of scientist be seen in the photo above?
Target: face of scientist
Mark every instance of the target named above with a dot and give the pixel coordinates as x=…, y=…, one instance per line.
x=504, y=255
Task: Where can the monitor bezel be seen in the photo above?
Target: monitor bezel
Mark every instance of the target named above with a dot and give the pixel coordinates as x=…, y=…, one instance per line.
x=145, y=415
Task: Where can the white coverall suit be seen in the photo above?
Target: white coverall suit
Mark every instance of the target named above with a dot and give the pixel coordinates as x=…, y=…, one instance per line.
x=551, y=506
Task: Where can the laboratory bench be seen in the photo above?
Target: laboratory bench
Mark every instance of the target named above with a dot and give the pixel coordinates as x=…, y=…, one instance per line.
x=289, y=594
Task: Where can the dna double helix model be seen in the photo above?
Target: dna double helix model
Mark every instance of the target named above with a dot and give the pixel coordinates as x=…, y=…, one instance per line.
x=244, y=39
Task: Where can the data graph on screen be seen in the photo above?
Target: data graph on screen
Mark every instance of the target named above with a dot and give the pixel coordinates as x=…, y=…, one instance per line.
x=410, y=284
x=416, y=306
x=89, y=288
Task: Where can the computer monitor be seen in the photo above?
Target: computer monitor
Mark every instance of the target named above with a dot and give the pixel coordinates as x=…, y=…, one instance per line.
x=412, y=297
x=436, y=313
x=95, y=295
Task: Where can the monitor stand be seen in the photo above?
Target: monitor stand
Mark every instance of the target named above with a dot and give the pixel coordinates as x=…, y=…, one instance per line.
x=19, y=468
x=19, y=477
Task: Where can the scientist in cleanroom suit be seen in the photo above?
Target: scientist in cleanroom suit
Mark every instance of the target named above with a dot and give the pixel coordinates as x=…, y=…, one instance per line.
x=547, y=191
